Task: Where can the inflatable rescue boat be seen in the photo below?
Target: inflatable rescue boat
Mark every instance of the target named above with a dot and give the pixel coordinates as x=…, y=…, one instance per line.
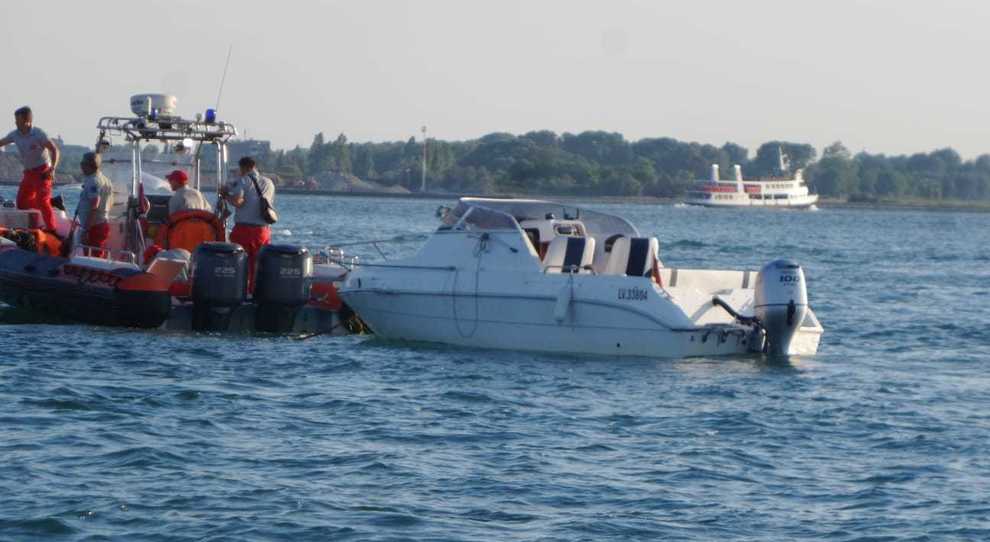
x=159, y=270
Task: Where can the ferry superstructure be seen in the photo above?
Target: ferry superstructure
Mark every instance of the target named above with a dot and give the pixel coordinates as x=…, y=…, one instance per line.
x=774, y=192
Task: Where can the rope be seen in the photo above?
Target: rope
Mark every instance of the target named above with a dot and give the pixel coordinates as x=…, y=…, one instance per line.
x=479, y=250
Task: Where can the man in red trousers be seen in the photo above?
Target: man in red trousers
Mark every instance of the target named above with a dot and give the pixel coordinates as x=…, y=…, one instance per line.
x=39, y=156
x=95, y=202
x=251, y=230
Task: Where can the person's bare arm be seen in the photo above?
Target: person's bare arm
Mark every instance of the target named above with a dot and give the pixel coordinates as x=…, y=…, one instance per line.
x=53, y=152
x=235, y=200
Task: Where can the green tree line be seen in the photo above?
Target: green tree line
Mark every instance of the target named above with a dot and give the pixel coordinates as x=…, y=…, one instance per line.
x=605, y=163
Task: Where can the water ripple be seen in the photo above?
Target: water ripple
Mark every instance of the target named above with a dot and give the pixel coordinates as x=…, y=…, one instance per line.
x=125, y=435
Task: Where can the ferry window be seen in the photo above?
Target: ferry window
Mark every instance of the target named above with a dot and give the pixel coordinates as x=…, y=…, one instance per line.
x=780, y=196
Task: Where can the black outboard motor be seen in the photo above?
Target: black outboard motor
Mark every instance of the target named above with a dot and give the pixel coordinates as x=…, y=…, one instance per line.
x=282, y=283
x=219, y=277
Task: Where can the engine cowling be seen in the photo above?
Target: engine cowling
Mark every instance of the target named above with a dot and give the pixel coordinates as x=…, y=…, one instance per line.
x=780, y=303
x=284, y=278
x=219, y=284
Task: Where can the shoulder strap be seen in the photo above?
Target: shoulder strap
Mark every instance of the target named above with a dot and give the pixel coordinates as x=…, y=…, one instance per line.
x=254, y=180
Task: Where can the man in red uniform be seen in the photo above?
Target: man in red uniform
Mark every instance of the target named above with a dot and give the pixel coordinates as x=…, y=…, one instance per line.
x=251, y=230
x=39, y=156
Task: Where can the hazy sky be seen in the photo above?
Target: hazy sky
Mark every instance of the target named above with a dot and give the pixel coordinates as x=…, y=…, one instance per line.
x=888, y=76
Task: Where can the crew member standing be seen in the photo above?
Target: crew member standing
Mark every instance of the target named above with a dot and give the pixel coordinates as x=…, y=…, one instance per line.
x=95, y=202
x=251, y=230
x=39, y=156
x=184, y=197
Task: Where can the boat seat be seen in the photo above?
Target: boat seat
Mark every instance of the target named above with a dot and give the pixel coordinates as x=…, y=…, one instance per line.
x=172, y=264
x=570, y=255
x=189, y=229
x=633, y=256
x=533, y=235
x=169, y=270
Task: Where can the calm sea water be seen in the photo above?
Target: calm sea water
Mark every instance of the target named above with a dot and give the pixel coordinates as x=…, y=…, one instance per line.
x=109, y=434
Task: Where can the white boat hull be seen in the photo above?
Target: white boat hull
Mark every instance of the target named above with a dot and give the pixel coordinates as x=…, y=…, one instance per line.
x=432, y=318
x=591, y=324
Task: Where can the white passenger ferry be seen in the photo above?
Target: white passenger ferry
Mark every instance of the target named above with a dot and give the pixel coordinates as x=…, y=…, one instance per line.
x=779, y=192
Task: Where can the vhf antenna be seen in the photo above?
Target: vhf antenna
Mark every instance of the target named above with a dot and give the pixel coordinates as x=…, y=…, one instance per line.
x=226, y=65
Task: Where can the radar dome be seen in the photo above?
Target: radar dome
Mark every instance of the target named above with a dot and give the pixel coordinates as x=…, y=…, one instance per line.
x=143, y=105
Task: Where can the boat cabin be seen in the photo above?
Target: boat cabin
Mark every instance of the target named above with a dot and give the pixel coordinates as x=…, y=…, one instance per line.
x=558, y=237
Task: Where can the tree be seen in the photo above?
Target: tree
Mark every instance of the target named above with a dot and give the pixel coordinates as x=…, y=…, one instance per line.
x=767, y=161
x=835, y=174
x=889, y=183
x=542, y=138
x=318, y=160
x=606, y=148
x=836, y=150
x=341, y=154
x=735, y=154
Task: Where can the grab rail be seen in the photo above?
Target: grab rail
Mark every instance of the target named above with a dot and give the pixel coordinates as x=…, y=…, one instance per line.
x=122, y=255
x=374, y=242
x=570, y=268
x=407, y=266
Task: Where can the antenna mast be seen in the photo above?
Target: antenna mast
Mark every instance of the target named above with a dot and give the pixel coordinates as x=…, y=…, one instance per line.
x=422, y=186
x=230, y=49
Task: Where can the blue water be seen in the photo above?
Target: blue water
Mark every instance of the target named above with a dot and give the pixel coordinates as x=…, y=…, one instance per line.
x=110, y=434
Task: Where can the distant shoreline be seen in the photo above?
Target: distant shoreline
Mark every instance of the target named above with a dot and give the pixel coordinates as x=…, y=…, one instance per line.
x=824, y=203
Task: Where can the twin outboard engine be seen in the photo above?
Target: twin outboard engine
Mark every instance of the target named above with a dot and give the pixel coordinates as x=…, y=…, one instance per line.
x=282, y=284
x=219, y=284
x=780, y=303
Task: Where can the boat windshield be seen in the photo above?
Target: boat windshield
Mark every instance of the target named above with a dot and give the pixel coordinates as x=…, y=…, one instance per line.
x=474, y=218
x=596, y=224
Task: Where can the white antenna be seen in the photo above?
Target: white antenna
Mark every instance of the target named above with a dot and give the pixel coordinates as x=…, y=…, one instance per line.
x=422, y=186
x=226, y=65
x=785, y=162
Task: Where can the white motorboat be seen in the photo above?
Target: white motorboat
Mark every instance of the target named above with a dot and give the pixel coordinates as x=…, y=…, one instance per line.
x=773, y=192
x=543, y=276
